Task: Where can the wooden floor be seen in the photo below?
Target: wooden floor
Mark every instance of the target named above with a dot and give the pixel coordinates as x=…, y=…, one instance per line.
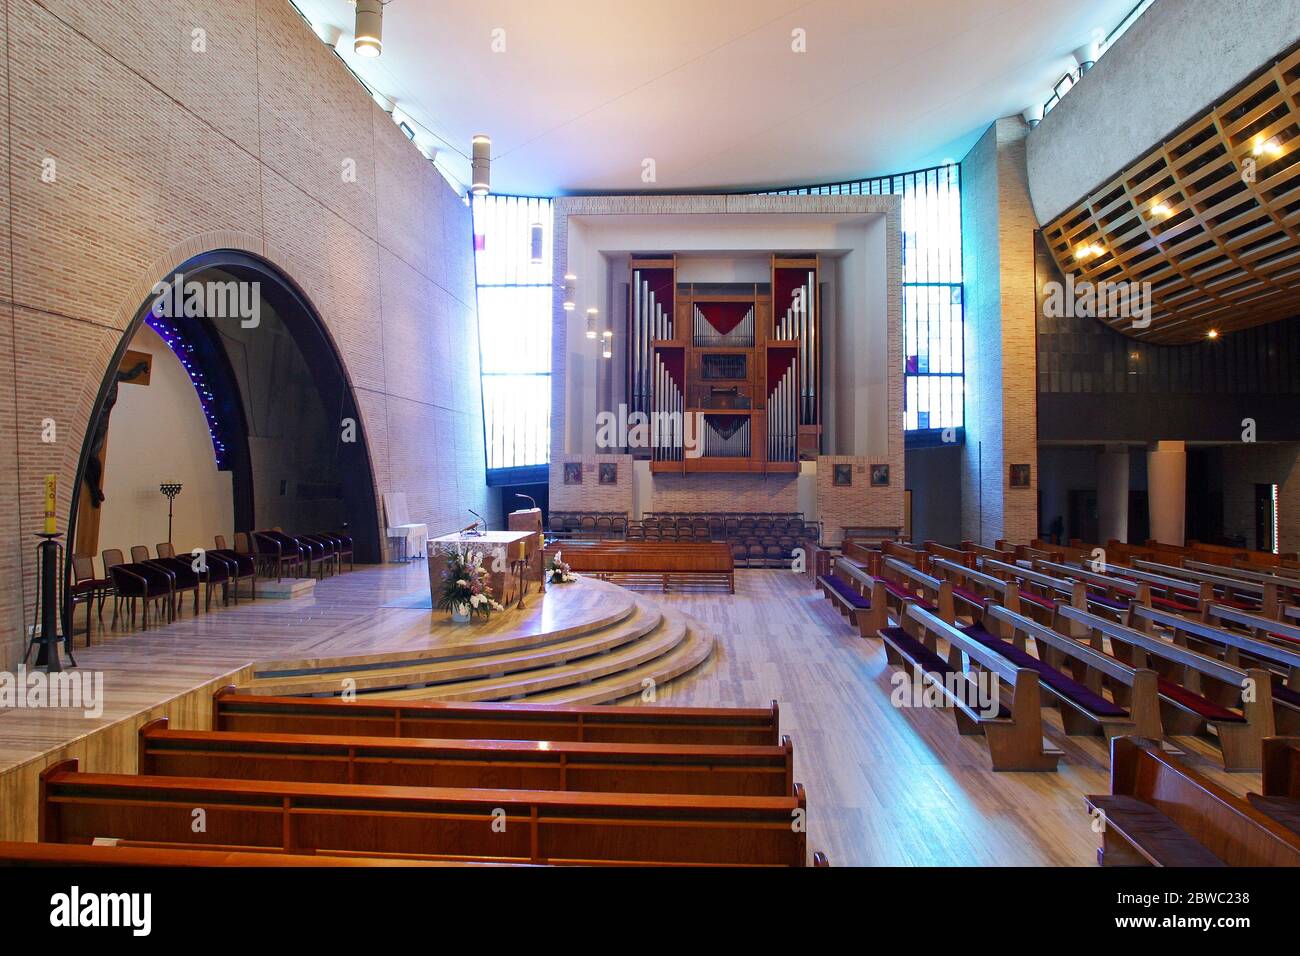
x=885, y=786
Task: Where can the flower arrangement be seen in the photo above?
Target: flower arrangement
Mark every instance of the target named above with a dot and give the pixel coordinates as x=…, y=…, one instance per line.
x=465, y=588
x=558, y=572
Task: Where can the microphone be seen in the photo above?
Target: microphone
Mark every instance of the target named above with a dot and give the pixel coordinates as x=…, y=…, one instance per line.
x=530, y=498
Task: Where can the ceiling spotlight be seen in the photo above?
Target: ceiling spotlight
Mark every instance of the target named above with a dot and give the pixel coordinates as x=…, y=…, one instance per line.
x=1212, y=334
x=369, y=39
x=591, y=322
x=482, y=165
x=609, y=348
x=1270, y=146
x=1087, y=250
x=1086, y=56
x=570, y=292
x=536, y=243
x=1033, y=115
x=1162, y=210
x=329, y=34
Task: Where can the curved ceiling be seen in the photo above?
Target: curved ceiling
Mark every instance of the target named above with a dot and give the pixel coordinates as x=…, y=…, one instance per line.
x=711, y=90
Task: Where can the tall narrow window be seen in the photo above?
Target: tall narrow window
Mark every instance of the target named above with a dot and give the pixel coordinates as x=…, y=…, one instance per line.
x=514, y=322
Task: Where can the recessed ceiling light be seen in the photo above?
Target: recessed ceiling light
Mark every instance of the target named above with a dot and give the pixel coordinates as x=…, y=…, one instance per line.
x=1212, y=334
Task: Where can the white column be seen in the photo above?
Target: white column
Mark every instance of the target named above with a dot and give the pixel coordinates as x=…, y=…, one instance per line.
x=1167, y=491
x=1112, y=494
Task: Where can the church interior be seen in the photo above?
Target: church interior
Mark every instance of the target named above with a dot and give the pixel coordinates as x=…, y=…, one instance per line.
x=747, y=434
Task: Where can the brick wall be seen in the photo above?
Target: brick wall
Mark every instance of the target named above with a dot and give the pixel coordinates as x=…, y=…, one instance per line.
x=859, y=504
x=160, y=154
x=591, y=495
x=1248, y=464
x=723, y=492
x=1001, y=404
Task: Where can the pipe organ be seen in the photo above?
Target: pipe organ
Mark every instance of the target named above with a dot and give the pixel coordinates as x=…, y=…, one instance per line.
x=741, y=360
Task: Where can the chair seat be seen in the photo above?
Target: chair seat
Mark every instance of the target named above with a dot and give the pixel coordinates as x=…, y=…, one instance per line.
x=1045, y=603
x=1067, y=686
x=967, y=595
x=1142, y=824
x=1117, y=604
x=846, y=591
x=1201, y=706
x=927, y=659
x=1165, y=604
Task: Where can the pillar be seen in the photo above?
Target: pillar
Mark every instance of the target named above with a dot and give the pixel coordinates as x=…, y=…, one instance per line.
x=1167, y=491
x=1112, y=494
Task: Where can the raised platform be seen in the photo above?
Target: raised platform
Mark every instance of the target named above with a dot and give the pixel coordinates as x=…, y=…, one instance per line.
x=370, y=630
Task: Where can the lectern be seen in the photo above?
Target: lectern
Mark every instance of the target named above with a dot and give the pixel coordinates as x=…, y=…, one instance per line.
x=530, y=519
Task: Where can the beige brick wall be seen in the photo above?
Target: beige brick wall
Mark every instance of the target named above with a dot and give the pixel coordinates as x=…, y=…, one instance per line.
x=858, y=504
x=162, y=153
x=1001, y=359
x=724, y=492
x=591, y=495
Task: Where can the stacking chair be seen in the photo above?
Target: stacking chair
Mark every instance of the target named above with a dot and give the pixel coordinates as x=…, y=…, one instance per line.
x=343, y=545
x=111, y=558
x=604, y=524
x=618, y=526
x=217, y=570
x=323, y=552
x=86, y=589
x=184, y=577
x=242, y=566
x=143, y=581
x=277, y=551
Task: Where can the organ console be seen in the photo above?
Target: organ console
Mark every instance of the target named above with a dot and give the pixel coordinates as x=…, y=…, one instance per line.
x=742, y=359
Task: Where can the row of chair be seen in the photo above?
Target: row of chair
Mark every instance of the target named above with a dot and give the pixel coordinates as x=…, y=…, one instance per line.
x=161, y=581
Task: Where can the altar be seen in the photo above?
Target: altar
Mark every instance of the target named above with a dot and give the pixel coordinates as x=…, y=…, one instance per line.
x=510, y=559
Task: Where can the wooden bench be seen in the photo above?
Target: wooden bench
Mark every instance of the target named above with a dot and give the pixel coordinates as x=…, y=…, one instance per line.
x=1083, y=704
x=1177, y=594
x=977, y=549
x=1183, y=671
x=973, y=590
x=1229, y=590
x=916, y=557
x=1162, y=813
x=713, y=726
x=1108, y=593
x=955, y=555
x=1040, y=594
x=513, y=764
x=858, y=596
x=492, y=825
x=1288, y=588
x=868, y=557
x=124, y=854
x=1212, y=636
x=651, y=563
x=1014, y=729
x=905, y=585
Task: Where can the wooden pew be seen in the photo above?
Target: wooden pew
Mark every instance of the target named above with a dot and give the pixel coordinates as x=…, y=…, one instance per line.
x=1040, y=594
x=1185, y=709
x=916, y=557
x=1116, y=595
x=977, y=549
x=973, y=590
x=955, y=555
x=1083, y=704
x=1280, y=800
x=905, y=585
x=867, y=557
x=1014, y=729
x=68, y=854
x=652, y=563
x=1263, y=597
x=531, y=826
x=1210, y=636
x=1176, y=594
x=1162, y=813
x=858, y=596
x=1288, y=588
x=513, y=764
x=714, y=726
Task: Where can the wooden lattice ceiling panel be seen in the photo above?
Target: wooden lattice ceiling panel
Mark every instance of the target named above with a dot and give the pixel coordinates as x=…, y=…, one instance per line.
x=1210, y=218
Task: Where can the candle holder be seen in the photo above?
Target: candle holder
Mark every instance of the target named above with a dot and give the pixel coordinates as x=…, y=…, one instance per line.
x=171, y=489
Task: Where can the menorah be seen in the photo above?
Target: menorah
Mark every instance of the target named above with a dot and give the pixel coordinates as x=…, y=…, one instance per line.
x=171, y=489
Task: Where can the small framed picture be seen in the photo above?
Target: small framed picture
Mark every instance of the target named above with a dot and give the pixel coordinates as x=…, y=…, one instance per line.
x=879, y=476
x=843, y=475
x=573, y=472
x=608, y=473
x=1020, y=476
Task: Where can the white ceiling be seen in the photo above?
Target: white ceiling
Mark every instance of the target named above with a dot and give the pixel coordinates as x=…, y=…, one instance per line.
x=710, y=89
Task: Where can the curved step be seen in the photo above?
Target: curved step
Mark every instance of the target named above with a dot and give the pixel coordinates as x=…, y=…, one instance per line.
x=460, y=669
x=688, y=655
x=669, y=633
x=589, y=607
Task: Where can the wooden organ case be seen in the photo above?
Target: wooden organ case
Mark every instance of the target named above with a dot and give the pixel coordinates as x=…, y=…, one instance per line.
x=742, y=359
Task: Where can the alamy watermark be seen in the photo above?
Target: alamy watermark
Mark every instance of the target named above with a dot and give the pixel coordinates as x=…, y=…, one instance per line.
x=33, y=690
x=179, y=299
x=663, y=430
x=1099, y=300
